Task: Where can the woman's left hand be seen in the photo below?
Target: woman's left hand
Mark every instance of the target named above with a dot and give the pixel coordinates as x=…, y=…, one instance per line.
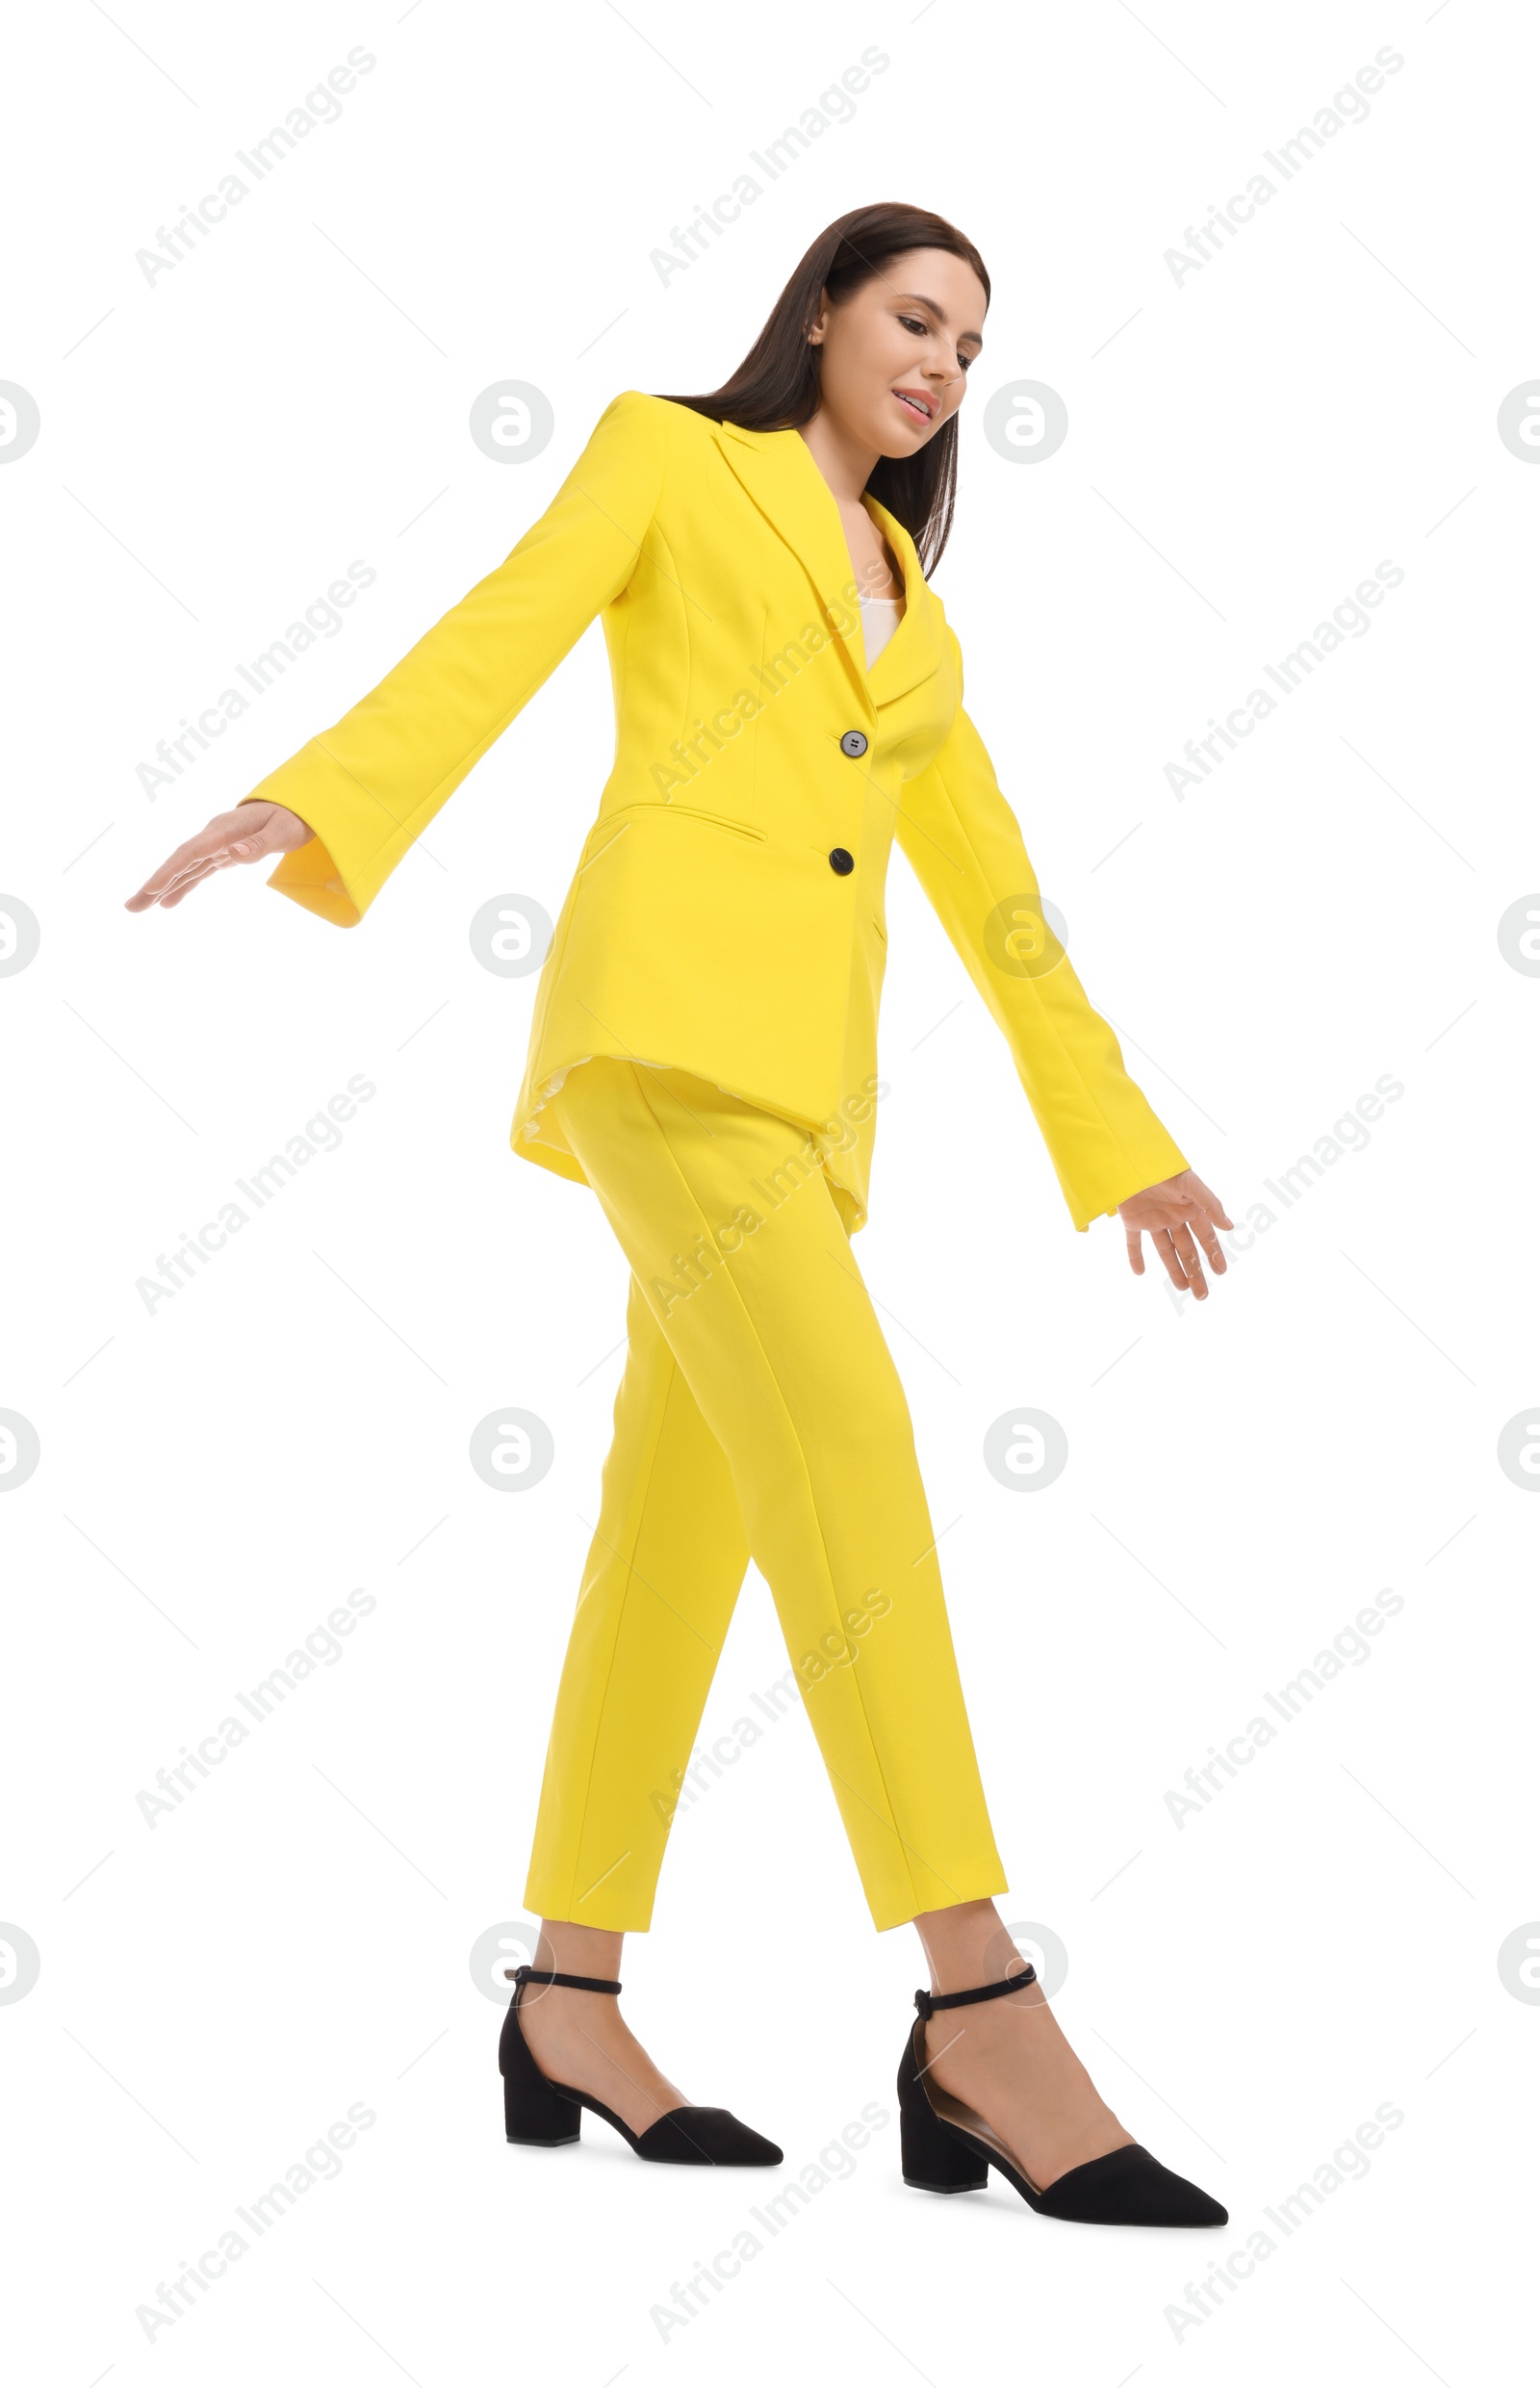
x=1170, y=1214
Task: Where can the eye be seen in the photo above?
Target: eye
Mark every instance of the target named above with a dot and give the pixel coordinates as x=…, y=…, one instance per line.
x=913, y=323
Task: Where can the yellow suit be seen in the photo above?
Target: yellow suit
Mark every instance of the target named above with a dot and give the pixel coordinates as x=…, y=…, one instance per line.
x=707, y=926
x=703, y=1055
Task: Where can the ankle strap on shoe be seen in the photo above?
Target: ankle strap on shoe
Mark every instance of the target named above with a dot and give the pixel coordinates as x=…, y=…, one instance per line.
x=927, y=2002
x=559, y=1981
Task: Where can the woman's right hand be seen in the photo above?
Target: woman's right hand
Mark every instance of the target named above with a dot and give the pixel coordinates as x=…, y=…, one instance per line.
x=248, y=834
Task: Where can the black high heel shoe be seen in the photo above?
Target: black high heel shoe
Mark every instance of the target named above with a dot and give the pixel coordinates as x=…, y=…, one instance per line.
x=947, y=2146
x=541, y=2113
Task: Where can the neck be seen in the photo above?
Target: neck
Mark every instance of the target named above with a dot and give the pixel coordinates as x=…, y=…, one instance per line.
x=845, y=462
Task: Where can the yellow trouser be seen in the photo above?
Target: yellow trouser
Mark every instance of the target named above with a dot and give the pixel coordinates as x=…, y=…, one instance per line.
x=760, y=1413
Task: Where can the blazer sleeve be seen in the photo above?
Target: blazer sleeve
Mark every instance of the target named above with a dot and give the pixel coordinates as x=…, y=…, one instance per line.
x=372, y=782
x=966, y=850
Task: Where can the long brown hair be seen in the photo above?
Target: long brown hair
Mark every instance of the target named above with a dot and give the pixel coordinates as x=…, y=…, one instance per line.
x=776, y=388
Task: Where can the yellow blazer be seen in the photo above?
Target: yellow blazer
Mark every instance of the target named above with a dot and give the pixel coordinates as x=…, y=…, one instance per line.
x=727, y=913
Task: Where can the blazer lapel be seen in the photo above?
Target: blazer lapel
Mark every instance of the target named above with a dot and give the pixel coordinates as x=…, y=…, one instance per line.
x=915, y=649
x=779, y=471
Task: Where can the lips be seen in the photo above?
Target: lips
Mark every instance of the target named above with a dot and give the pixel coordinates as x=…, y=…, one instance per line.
x=915, y=402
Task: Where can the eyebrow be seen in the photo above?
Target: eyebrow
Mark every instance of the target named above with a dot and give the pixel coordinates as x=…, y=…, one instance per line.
x=939, y=313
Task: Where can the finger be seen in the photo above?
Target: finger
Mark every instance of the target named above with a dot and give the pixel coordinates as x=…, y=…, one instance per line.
x=188, y=877
x=222, y=858
x=1160, y=1238
x=158, y=881
x=1136, y=1251
x=196, y=850
x=1211, y=1244
x=1186, y=1254
x=185, y=886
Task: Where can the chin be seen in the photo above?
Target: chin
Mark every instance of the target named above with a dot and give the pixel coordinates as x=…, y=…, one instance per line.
x=894, y=441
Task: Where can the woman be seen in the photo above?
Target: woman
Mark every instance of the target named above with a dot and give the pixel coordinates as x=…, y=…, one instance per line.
x=703, y=1057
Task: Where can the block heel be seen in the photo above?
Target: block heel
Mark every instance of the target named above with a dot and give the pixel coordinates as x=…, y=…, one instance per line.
x=538, y=2115
x=933, y=2161
x=947, y=2146
x=541, y=2113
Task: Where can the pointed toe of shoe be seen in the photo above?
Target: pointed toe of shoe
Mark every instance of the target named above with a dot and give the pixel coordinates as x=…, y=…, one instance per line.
x=705, y=2135
x=1130, y=2186
x=1206, y=2212
x=1184, y=2206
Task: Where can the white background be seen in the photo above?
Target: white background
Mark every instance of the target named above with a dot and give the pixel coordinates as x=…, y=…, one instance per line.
x=1245, y=446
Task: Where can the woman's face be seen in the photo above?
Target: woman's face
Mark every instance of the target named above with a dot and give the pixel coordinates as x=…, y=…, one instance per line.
x=897, y=350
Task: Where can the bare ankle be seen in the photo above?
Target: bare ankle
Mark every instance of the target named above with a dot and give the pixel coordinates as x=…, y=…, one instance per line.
x=578, y=1949
x=968, y=1945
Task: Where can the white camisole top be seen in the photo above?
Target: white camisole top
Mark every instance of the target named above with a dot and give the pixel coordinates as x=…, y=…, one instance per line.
x=880, y=618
